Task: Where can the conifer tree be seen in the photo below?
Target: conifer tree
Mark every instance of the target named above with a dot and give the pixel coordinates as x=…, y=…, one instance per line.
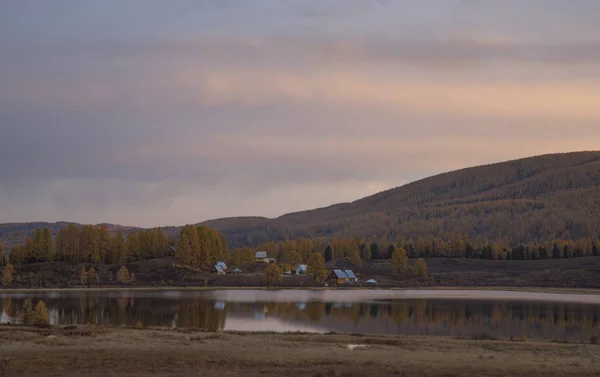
x=328, y=253
x=27, y=312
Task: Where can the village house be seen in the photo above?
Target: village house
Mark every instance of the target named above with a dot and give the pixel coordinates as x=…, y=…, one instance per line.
x=342, y=276
x=219, y=270
x=261, y=257
x=301, y=269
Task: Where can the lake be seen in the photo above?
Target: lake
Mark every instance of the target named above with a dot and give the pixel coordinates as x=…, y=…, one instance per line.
x=460, y=313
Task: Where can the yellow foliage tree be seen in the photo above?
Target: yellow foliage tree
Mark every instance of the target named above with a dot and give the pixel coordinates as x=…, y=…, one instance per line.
x=421, y=267
x=355, y=259
x=316, y=267
x=273, y=275
x=123, y=275
x=399, y=260
x=41, y=313
x=7, y=274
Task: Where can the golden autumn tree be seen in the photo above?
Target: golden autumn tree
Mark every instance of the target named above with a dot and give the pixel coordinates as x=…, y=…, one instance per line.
x=133, y=247
x=183, y=251
x=123, y=275
x=316, y=267
x=399, y=260
x=8, y=274
x=40, y=313
x=354, y=258
x=421, y=267
x=273, y=275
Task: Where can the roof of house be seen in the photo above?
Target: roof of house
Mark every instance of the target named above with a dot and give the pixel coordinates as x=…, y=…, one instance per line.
x=350, y=274
x=340, y=274
x=237, y=270
x=261, y=254
x=219, y=269
x=173, y=248
x=371, y=281
x=221, y=264
x=301, y=267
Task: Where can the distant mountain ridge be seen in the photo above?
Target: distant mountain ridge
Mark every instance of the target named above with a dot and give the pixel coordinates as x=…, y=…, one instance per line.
x=544, y=197
x=554, y=196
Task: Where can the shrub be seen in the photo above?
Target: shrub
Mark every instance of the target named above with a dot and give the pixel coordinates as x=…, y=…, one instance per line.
x=123, y=275
x=41, y=313
x=92, y=277
x=523, y=339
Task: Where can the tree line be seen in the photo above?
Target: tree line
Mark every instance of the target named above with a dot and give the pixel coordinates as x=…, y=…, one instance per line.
x=91, y=244
x=359, y=251
x=203, y=246
x=196, y=247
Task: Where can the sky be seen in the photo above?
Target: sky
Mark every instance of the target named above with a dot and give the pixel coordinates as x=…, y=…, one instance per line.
x=167, y=112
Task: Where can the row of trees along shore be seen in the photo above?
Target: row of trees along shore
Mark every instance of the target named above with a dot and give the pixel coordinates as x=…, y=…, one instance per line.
x=202, y=246
x=360, y=251
x=196, y=247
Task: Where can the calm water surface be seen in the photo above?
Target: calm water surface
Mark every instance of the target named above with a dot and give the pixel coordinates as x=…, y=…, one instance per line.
x=569, y=317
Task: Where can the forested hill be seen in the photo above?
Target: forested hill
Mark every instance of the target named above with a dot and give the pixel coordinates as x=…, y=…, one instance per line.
x=539, y=198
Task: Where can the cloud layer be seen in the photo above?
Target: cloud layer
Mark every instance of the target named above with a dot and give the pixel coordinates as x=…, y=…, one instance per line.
x=149, y=114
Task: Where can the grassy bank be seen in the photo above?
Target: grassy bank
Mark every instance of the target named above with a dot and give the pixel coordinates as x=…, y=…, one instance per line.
x=98, y=351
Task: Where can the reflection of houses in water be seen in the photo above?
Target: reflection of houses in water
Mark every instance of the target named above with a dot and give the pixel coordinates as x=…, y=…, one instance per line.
x=261, y=312
x=5, y=318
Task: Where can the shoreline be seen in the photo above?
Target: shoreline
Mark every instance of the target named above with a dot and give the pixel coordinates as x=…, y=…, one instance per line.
x=590, y=291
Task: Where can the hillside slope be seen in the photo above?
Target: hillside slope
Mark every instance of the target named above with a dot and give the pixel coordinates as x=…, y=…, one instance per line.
x=538, y=198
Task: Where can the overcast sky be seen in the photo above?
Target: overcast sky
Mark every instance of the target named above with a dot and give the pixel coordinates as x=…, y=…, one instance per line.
x=147, y=112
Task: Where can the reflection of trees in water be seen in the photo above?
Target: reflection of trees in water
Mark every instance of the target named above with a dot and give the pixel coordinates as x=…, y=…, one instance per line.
x=440, y=317
x=122, y=311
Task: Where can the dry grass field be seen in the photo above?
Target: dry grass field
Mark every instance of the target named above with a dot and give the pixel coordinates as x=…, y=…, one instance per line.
x=101, y=351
